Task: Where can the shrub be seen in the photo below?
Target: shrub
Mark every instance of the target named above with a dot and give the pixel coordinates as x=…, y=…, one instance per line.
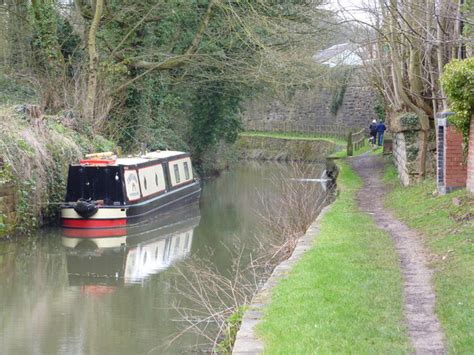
x=458, y=84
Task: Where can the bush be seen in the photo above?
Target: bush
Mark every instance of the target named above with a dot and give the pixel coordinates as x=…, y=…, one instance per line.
x=458, y=84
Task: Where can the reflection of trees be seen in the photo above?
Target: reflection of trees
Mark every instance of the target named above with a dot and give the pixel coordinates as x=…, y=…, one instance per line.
x=42, y=314
x=230, y=205
x=34, y=282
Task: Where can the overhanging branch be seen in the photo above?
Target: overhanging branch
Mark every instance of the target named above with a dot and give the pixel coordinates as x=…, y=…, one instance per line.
x=175, y=61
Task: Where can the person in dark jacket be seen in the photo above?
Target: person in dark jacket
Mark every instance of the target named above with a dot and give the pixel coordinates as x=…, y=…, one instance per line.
x=380, y=130
x=373, y=132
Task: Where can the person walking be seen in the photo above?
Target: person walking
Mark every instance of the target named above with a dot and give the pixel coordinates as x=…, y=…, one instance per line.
x=380, y=131
x=373, y=132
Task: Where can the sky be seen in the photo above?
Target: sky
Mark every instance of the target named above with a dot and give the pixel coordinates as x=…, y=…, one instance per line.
x=352, y=9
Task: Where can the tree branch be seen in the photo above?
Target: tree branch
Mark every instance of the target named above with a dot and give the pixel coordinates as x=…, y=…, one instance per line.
x=180, y=60
x=175, y=61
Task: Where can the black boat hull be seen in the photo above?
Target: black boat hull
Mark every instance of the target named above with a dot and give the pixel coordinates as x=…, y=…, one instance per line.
x=124, y=216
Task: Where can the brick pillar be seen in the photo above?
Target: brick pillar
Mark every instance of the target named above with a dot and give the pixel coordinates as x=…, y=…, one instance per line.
x=470, y=159
x=451, y=168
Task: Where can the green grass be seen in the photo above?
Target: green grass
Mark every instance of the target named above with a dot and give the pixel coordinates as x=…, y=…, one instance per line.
x=376, y=151
x=345, y=294
x=294, y=135
x=447, y=223
x=343, y=152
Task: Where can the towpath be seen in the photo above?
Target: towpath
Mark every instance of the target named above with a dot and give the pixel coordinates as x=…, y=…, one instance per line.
x=419, y=298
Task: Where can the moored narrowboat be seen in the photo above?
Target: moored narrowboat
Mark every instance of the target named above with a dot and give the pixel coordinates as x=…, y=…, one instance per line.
x=108, y=192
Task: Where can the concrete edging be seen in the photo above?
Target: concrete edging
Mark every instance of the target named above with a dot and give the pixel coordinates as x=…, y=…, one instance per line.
x=246, y=341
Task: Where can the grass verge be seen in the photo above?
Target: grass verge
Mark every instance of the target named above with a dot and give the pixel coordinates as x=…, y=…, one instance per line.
x=343, y=152
x=376, y=151
x=448, y=225
x=294, y=135
x=231, y=328
x=345, y=294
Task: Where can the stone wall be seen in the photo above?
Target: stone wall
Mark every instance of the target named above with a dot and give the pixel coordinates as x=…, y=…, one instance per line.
x=314, y=105
x=400, y=157
x=407, y=136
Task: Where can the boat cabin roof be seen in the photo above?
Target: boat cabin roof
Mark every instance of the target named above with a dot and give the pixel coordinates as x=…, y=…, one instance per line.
x=127, y=161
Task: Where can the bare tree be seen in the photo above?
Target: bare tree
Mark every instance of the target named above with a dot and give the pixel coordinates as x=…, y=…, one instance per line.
x=414, y=40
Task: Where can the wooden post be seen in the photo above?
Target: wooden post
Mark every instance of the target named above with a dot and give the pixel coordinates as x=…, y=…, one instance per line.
x=350, y=148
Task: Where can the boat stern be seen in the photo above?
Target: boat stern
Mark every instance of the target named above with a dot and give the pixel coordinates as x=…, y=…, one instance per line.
x=104, y=217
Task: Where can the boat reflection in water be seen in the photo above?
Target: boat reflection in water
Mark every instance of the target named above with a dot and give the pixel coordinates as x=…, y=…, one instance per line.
x=99, y=258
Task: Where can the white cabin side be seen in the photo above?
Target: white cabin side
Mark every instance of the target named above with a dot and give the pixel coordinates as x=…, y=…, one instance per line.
x=181, y=171
x=132, y=185
x=152, y=180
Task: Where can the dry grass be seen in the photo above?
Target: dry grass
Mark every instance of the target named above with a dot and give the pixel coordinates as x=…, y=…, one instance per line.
x=37, y=153
x=75, y=96
x=63, y=94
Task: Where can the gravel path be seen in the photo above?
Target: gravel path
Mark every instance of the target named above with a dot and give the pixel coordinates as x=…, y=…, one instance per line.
x=419, y=298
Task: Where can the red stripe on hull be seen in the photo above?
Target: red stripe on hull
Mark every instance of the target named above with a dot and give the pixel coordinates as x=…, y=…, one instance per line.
x=94, y=233
x=94, y=223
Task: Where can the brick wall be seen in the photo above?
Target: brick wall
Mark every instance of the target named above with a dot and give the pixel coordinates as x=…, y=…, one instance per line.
x=470, y=159
x=455, y=167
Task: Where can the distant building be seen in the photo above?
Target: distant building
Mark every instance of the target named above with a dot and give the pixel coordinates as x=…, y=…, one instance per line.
x=340, y=54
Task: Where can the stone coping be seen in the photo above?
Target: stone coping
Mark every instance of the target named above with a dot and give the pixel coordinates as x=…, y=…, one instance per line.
x=246, y=341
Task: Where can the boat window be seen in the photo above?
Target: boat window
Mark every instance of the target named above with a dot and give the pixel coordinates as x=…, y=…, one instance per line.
x=176, y=173
x=156, y=179
x=186, y=170
x=144, y=183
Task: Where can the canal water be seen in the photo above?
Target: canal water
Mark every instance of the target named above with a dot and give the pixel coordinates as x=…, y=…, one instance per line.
x=118, y=295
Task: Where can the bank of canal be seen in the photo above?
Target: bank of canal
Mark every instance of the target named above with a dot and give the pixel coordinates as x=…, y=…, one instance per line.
x=343, y=295
x=387, y=262
x=59, y=299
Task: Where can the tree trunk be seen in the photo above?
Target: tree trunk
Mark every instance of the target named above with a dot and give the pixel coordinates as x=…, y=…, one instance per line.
x=51, y=61
x=89, y=109
x=17, y=33
x=400, y=89
x=440, y=50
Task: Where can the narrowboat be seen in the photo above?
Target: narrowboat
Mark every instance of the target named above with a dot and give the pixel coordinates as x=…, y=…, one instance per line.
x=106, y=192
